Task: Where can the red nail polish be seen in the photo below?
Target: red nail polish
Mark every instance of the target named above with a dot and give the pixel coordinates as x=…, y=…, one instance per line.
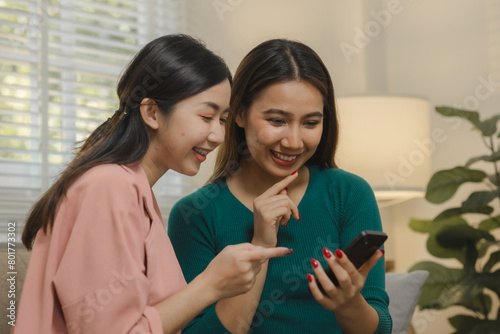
x=338, y=253
x=383, y=252
x=327, y=253
x=290, y=251
x=309, y=278
x=286, y=189
x=294, y=172
x=314, y=263
x=299, y=217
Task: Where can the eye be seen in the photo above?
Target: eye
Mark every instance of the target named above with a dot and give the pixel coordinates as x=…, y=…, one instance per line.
x=207, y=118
x=311, y=124
x=276, y=121
x=223, y=120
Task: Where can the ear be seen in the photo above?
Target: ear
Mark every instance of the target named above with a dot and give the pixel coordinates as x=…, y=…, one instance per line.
x=150, y=113
x=240, y=118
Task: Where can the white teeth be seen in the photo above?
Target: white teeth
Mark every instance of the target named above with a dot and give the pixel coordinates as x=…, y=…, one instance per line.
x=284, y=157
x=201, y=151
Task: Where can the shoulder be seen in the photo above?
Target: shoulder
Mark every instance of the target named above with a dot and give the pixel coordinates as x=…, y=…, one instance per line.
x=110, y=179
x=109, y=173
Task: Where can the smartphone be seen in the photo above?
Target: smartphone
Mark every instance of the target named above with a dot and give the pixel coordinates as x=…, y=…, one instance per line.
x=359, y=250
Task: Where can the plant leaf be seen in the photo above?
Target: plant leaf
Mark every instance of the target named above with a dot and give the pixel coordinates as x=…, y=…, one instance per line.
x=462, y=322
x=489, y=224
x=467, y=292
x=460, y=211
x=459, y=236
x=485, y=245
x=440, y=280
x=435, y=248
x=467, y=324
x=471, y=116
x=420, y=225
x=489, y=158
x=494, y=259
x=478, y=303
x=443, y=184
x=492, y=282
x=489, y=126
x=463, y=238
x=479, y=199
x=495, y=179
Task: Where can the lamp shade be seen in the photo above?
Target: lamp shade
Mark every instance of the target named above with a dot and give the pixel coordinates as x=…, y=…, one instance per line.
x=386, y=141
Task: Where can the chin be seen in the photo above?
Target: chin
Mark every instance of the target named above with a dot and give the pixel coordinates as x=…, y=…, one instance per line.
x=188, y=171
x=191, y=172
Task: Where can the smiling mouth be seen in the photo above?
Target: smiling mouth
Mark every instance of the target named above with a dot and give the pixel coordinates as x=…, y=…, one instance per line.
x=284, y=157
x=201, y=151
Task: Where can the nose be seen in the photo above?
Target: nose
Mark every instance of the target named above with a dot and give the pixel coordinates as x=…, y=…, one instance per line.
x=216, y=134
x=292, y=138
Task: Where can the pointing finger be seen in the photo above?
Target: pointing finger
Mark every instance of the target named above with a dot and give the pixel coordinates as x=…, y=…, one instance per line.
x=279, y=186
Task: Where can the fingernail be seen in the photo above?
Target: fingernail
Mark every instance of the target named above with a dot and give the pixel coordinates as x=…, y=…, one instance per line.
x=294, y=172
x=299, y=216
x=314, y=263
x=383, y=252
x=290, y=251
x=309, y=278
x=338, y=253
x=327, y=253
x=286, y=189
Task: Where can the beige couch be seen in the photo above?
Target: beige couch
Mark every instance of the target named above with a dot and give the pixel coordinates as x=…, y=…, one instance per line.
x=9, y=294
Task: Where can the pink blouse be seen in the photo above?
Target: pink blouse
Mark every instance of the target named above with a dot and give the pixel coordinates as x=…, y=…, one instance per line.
x=104, y=264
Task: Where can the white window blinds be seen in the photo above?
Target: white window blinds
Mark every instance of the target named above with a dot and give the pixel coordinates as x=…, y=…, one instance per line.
x=59, y=66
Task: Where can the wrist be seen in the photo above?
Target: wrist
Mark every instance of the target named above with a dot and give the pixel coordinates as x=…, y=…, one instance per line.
x=353, y=307
x=206, y=288
x=263, y=243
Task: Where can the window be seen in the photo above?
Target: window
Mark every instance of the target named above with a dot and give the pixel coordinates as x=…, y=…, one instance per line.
x=59, y=65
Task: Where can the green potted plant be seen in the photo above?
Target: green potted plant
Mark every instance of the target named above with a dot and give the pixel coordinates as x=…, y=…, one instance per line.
x=465, y=233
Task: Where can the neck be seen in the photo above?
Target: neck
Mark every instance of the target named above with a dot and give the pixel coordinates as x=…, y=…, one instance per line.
x=153, y=173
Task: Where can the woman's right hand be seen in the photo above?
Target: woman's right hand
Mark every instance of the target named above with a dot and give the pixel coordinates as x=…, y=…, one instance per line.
x=272, y=209
x=233, y=271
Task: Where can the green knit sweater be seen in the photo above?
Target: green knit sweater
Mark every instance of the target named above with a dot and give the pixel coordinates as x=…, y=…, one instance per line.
x=336, y=206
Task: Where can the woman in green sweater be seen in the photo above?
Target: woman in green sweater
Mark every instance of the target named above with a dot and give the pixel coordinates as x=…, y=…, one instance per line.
x=276, y=183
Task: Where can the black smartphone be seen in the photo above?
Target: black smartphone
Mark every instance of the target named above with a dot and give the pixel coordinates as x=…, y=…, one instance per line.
x=359, y=250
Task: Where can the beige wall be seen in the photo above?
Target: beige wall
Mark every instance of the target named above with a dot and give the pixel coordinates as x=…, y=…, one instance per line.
x=442, y=50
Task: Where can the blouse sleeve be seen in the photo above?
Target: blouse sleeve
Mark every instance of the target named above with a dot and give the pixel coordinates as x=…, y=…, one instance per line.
x=360, y=212
x=194, y=243
x=101, y=282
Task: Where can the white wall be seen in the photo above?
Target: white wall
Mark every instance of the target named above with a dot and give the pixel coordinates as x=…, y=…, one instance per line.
x=442, y=50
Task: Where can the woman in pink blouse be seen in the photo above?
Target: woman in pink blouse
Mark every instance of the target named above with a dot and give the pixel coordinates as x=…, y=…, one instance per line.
x=101, y=260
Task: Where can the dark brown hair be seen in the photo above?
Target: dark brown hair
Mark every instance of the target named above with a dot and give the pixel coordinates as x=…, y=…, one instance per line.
x=167, y=70
x=275, y=61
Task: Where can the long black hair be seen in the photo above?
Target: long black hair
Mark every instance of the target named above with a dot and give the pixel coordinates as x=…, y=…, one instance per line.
x=167, y=70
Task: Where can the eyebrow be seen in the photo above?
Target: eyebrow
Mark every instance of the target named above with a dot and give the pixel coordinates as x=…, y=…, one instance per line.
x=290, y=115
x=215, y=106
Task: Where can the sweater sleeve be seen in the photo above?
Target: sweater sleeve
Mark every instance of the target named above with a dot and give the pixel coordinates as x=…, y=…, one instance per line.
x=360, y=212
x=101, y=280
x=194, y=242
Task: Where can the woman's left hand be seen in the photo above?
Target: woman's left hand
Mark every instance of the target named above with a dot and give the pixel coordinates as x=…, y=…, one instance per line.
x=351, y=280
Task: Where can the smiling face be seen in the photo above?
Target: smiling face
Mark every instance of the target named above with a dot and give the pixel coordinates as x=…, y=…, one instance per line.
x=283, y=127
x=193, y=129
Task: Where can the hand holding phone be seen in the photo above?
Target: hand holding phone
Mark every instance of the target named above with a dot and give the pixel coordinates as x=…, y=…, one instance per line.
x=359, y=250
